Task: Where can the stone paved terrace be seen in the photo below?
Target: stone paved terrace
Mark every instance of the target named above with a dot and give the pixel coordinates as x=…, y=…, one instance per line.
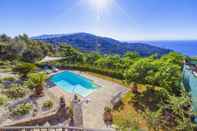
x=94, y=109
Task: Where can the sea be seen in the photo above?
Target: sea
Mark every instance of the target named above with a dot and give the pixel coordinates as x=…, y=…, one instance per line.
x=186, y=47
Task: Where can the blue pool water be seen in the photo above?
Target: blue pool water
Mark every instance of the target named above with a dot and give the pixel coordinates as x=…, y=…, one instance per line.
x=73, y=83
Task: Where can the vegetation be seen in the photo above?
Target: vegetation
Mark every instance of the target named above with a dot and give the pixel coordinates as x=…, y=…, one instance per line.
x=103, y=45
x=22, y=48
x=163, y=103
x=47, y=104
x=107, y=116
x=36, y=81
x=153, y=119
x=126, y=123
x=22, y=109
x=16, y=92
x=24, y=69
x=9, y=79
x=3, y=99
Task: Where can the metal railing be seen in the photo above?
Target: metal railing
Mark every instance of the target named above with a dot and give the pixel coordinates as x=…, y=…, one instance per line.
x=49, y=128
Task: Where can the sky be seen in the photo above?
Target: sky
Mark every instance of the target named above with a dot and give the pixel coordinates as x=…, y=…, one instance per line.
x=119, y=19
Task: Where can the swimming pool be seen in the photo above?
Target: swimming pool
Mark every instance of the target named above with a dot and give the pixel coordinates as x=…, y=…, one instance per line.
x=73, y=83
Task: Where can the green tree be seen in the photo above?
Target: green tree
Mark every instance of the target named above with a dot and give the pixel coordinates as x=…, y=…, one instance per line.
x=169, y=77
x=91, y=58
x=109, y=62
x=24, y=69
x=4, y=38
x=181, y=109
x=73, y=55
x=153, y=119
x=129, y=58
x=173, y=57
x=140, y=70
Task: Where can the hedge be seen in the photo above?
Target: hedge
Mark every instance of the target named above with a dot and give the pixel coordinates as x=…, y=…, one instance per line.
x=106, y=72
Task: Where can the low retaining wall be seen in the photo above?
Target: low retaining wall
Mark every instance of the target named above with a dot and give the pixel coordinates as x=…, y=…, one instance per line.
x=53, y=118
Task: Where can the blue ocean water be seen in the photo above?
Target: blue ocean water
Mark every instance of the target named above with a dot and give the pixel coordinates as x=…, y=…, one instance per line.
x=73, y=83
x=186, y=47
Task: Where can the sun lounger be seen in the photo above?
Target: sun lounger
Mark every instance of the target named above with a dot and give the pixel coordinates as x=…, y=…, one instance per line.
x=116, y=99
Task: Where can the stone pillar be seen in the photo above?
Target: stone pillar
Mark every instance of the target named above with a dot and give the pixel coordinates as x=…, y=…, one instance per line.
x=77, y=112
x=62, y=111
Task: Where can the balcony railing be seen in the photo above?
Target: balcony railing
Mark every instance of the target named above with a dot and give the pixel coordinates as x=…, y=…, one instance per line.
x=50, y=128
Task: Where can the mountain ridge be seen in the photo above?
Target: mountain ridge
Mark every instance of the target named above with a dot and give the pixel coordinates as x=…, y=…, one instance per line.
x=105, y=45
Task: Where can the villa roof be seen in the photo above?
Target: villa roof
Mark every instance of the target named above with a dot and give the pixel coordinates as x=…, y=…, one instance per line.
x=49, y=59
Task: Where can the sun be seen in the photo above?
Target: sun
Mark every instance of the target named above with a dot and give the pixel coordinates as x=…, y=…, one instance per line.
x=100, y=6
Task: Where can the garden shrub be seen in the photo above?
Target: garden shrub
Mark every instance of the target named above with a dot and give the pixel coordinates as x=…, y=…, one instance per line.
x=1, y=63
x=16, y=92
x=47, y=104
x=3, y=99
x=22, y=109
x=126, y=122
x=9, y=79
x=107, y=72
x=24, y=69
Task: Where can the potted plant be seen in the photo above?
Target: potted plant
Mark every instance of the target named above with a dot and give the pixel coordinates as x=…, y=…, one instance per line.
x=107, y=116
x=47, y=105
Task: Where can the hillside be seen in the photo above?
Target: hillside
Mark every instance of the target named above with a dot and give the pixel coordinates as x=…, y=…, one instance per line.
x=89, y=42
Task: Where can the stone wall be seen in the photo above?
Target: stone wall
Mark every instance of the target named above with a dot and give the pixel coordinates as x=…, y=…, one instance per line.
x=52, y=118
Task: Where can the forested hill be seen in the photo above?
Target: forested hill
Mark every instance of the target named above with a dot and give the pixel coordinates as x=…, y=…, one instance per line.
x=89, y=42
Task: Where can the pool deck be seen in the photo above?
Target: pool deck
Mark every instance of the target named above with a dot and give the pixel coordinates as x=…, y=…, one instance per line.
x=98, y=100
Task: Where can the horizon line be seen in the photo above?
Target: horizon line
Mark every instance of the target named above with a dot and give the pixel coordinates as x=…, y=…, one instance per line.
x=105, y=36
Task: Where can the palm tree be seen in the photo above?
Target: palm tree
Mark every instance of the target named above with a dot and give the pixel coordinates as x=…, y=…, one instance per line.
x=36, y=81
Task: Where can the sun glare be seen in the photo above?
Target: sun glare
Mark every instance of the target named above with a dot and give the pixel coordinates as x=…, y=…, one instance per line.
x=100, y=6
